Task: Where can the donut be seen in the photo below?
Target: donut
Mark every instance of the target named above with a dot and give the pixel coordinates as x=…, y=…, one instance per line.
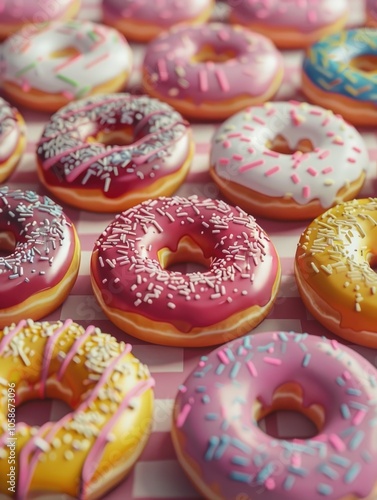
x=109, y=391
x=227, y=456
x=210, y=72
x=108, y=153
x=291, y=24
x=138, y=292
x=339, y=73
x=44, y=68
x=141, y=21
x=12, y=138
x=40, y=255
x=334, y=273
x=371, y=6
x=288, y=160
x=14, y=14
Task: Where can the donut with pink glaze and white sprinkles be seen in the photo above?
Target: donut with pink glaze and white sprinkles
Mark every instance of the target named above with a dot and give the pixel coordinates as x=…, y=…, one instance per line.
x=227, y=456
x=14, y=14
x=143, y=20
x=137, y=291
x=45, y=67
x=291, y=23
x=326, y=160
x=212, y=71
x=107, y=153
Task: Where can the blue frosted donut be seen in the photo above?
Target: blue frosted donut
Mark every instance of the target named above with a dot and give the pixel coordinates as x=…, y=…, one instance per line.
x=340, y=73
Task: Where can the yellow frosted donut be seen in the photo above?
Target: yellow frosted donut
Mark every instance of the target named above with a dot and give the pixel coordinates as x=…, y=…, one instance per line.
x=110, y=393
x=334, y=273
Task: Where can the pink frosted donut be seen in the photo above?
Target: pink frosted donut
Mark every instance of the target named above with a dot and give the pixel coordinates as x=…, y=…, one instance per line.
x=291, y=23
x=371, y=13
x=212, y=71
x=227, y=456
x=14, y=14
x=137, y=291
x=142, y=20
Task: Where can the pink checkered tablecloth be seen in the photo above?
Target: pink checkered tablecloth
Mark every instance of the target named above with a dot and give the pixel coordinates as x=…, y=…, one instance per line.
x=157, y=474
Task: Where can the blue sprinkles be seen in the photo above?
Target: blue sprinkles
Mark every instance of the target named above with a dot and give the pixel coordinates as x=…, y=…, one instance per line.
x=324, y=489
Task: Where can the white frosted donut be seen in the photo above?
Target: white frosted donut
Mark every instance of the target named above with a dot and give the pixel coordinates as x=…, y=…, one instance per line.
x=45, y=68
x=288, y=186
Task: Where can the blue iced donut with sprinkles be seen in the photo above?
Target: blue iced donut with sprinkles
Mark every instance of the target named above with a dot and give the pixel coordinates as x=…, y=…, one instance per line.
x=340, y=73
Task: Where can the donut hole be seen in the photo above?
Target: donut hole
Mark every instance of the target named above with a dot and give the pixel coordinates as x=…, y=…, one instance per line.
x=7, y=243
x=366, y=63
x=123, y=137
x=280, y=144
x=65, y=53
x=287, y=407
x=36, y=412
x=187, y=257
x=207, y=53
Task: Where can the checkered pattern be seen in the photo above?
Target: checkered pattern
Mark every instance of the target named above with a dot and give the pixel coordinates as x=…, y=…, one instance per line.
x=157, y=474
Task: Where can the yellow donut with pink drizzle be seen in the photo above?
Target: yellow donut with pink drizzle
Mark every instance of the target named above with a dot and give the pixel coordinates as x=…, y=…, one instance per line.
x=111, y=396
x=46, y=67
x=212, y=71
x=228, y=457
x=288, y=160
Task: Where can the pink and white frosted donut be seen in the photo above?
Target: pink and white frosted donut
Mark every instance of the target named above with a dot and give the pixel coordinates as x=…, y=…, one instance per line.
x=227, y=456
x=323, y=162
x=12, y=138
x=371, y=13
x=137, y=291
x=212, y=71
x=143, y=20
x=14, y=14
x=47, y=67
x=291, y=23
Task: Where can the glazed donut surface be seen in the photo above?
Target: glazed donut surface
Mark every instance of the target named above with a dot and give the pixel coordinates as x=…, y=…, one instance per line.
x=12, y=138
x=143, y=20
x=42, y=255
x=330, y=166
x=334, y=270
x=227, y=456
x=211, y=71
x=137, y=291
x=339, y=74
x=110, y=393
x=46, y=67
x=76, y=163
